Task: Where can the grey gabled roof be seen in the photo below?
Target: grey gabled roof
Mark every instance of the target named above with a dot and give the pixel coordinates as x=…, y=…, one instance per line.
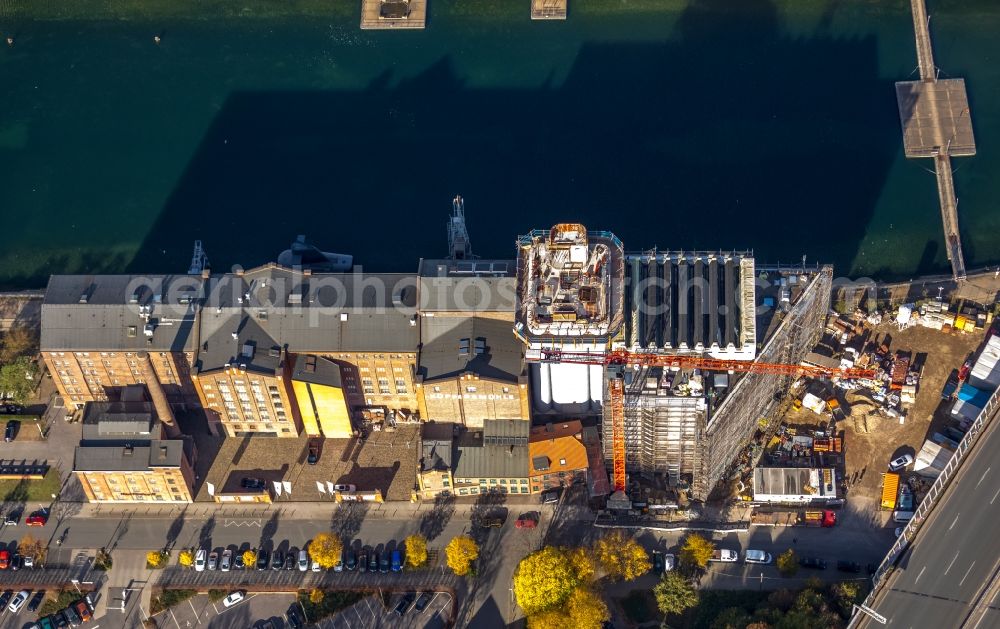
x=159, y=453
x=88, y=312
x=449, y=348
x=237, y=340
x=491, y=461
x=119, y=421
x=317, y=370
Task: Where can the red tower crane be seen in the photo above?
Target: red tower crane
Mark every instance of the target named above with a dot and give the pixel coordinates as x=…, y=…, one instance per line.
x=616, y=388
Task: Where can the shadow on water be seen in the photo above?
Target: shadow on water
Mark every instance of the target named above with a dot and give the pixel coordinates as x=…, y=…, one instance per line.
x=783, y=145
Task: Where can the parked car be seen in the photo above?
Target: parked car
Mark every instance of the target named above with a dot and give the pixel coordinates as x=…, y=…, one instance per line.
x=10, y=433
x=290, y=560
x=46, y=623
x=19, y=601
x=238, y=561
x=658, y=567
x=315, y=566
x=263, y=559
x=423, y=601
x=345, y=488
x=233, y=598
x=373, y=561
x=36, y=600
x=29, y=561
x=12, y=518
x=5, y=598
x=38, y=518
x=900, y=463
x=213, y=560
x=384, y=563
x=814, y=563
x=277, y=560
x=397, y=561
x=527, y=520
x=313, y=457
x=492, y=522
x=4, y=559
x=757, y=556
x=339, y=566
x=59, y=619
x=250, y=482
x=294, y=619
x=227, y=560
x=83, y=609
x=16, y=562
x=72, y=617
x=303, y=560
x=351, y=561
x=849, y=566
x=200, y=558
x=550, y=496
x=669, y=562
x=404, y=603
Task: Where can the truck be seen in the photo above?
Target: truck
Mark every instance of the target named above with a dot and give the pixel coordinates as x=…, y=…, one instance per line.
x=890, y=488
x=724, y=554
x=825, y=518
x=834, y=444
x=900, y=367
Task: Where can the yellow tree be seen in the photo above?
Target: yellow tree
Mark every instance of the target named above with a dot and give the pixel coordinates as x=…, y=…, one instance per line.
x=154, y=559
x=622, y=557
x=249, y=558
x=544, y=580
x=316, y=596
x=586, y=609
x=696, y=551
x=582, y=562
x=185, y=558
x=31, y=547
x=461, y=551
x=326, y=550
x=416, y=550
x=551, y=619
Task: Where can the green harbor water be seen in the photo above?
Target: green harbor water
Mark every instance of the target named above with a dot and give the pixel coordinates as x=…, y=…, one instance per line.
x=702, y=124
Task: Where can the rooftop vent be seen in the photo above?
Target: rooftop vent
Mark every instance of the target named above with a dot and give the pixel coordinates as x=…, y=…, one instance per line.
x=236, y=335
x=148, y=329
x=540, y=463
x=248, y=349
x=136, y=294
x=343, y=316
x=463, y=347
x=274, y=352
x=132, y=331
x=480, y=347
x=128, y=451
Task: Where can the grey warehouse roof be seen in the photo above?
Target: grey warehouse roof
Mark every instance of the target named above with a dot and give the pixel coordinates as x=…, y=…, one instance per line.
x=159, y=453
x=449, y=348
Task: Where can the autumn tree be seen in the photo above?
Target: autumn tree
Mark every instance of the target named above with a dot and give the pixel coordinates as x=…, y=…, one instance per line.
x=622, y=557
x=155, y=559
x=416, y=550
x=674, y=593
x=326, y=549
x=544, y=580
x=788, y=563
x=185, y=558
x=587, y=610
x=461, y=551
x=582, y=562
x=249, y=558
x=31, y=547
x=18, y=341
x=696, y=551
x=316, y=596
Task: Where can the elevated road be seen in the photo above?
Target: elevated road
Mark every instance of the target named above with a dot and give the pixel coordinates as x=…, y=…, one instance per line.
x=949, y=215
x=922, y=33
x=949, y=575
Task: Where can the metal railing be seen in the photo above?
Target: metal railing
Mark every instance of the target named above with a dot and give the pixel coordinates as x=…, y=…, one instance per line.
x=977, y=428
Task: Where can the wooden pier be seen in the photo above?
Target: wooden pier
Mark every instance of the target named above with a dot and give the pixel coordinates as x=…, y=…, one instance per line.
x=393, y=14
x=548, y=9
x=937, y=123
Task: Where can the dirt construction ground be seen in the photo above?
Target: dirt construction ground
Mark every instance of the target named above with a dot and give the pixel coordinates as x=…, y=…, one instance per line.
x=869, y=454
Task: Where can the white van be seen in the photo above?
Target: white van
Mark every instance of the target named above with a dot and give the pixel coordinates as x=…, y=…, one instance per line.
x=902, y=516
x=757, y=556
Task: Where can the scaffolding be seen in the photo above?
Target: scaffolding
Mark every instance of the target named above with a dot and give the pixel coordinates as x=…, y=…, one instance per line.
x=755, y=395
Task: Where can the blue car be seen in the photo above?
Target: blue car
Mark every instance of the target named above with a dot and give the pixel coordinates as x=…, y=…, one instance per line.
x=397, y=561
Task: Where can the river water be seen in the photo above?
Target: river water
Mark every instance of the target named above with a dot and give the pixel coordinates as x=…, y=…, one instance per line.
x=710, y=124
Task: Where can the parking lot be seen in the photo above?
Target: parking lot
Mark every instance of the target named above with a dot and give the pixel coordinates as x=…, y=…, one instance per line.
x=18, y=620
x=252, y=612
x=368, y=613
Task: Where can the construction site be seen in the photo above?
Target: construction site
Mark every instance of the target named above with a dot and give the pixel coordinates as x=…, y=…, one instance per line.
x=662, y=348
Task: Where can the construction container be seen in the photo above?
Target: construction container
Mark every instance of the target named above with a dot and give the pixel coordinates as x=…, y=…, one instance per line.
x=890, y=489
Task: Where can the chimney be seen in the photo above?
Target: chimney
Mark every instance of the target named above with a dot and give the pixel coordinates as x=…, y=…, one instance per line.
x=159, y=398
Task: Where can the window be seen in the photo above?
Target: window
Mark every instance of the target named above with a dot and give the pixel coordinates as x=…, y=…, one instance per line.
x=463, y=492
x=368, y=386
x=503, y=481
x=562, y=461
x=383, y=386
x=445, y=483
x=493, y=481
x=470, y=389
x=524, y=481
x=400, y=386
x=437, y=389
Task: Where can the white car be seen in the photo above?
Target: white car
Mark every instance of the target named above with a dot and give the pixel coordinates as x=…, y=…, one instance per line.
x=757, y=556
x=900, y=463
x=669, y=562
x=347, y=488
x=227, y=560
x=18, y=602
x=303, y=561
x=315, y=566
x=199, y=560
x=233, y=598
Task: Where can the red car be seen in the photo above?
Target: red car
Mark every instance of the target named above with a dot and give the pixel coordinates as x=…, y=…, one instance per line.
x=4, y=559
x=37, y=519
x=527, y=520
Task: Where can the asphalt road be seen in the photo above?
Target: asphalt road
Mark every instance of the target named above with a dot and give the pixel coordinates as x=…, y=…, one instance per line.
x=955, y=555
